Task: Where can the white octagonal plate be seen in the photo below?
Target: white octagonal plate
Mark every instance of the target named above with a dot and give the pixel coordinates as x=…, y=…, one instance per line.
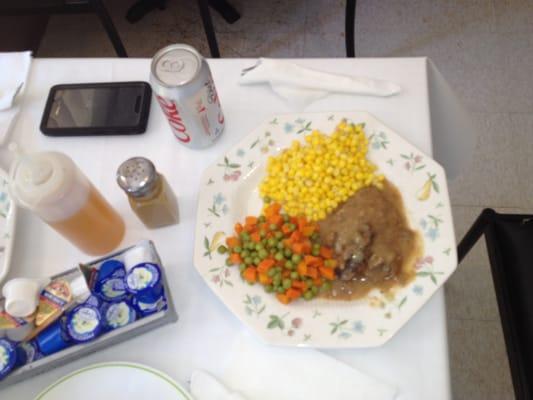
x=229, y=192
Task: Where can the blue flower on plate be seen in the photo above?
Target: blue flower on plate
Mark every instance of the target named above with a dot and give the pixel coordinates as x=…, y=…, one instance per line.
x=218, y=199
x=432, y=233
x=240, y=153
x=288, y=128
x=345, y=335
x=418, y=290
x=3, y=197
x=358, y=327
x=256, y=300
x=423, y=223
x=225, y=209
x=376, y=145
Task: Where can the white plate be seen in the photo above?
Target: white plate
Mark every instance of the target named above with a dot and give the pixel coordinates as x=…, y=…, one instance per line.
x=228, y=193
x=8, y=213
x=115, y=381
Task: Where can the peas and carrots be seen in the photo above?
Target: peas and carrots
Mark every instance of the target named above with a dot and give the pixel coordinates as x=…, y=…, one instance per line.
x=281, y=253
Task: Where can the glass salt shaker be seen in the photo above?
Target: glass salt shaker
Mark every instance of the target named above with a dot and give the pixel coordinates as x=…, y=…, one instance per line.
x=149, y=194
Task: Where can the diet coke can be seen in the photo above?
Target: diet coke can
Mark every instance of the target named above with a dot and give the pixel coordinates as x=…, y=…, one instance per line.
x=184, y=88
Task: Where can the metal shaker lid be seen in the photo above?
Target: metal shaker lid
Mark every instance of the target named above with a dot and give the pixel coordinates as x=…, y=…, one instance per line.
x=137, y=176
x=176, y=65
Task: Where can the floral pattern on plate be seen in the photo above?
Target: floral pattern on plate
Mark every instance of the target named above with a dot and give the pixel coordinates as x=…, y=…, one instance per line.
x=228, y=192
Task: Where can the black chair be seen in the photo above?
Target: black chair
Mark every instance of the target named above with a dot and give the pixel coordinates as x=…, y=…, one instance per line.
x=142, y=7
x=28, y=7
x=231, y=16
x=349, y=27
x=509, y=241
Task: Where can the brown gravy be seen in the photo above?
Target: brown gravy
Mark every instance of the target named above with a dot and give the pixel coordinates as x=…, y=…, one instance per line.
x=373, y=243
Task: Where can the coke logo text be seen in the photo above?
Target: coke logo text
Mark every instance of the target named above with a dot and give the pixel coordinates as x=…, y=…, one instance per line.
x=174, y=119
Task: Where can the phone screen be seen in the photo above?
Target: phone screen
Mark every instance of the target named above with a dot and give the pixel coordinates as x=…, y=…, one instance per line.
x=99, y=107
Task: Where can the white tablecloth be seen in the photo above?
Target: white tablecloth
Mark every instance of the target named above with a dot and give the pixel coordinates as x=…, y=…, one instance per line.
x=416, y=359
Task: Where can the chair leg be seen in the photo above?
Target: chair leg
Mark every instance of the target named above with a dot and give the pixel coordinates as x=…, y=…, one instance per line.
x=226, y=10
x=474, y=233
x=107, y=22
x=350, y=27
x=208, y=28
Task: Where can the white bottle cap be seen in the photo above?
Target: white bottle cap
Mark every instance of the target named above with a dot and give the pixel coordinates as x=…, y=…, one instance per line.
x=80, y=289
x=48, y=183
x=18, y=334
x=141, y=253
x=22, y=296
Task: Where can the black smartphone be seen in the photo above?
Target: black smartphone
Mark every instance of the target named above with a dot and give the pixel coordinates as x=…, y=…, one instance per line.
x=114, y=108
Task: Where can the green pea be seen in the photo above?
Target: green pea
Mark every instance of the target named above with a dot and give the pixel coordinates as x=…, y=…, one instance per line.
x=287, y=252
x=325, y=286
x=279, y=256
x=278, y=270
x=280, y=289
x=278, y=235
x=292, y=227
x=273, y=227
x=273, y=250
x=245, y=253
x=280, y=245
x=315, y=252
x=286, y=218
x=249, y=245
x=294, y=275
x=237, y=249
x=315, y=236
x=269, y=288
x=253, y=254
x=259, y=247
x=308, y=295
x=245, y=236
x=271, y=272
x=257, y=260
x=228, y=262
x=222, y=249
x=242, y=267
x=289, y=264
x=263, y=254
x=248, y=260
x=267, y=199
x=271, y=242
x=296, y=258
x=276, y=280
x=287, y=283
x=314, y=289
x=261, y=219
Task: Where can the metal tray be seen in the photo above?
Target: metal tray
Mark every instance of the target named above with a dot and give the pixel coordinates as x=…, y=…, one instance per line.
x=140, y=326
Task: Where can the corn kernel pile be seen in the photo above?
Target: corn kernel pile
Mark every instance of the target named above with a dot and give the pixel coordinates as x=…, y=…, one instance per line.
x=314, y=178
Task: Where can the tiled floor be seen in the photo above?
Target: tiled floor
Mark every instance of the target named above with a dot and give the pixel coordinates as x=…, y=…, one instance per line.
x=484, y=48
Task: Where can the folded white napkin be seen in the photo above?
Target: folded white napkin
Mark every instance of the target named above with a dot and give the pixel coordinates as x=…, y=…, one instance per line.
x=14, y=69
x=262, y=372
x=302, y=86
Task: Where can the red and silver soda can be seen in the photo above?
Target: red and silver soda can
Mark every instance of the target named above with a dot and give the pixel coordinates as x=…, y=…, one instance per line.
x=182, y=84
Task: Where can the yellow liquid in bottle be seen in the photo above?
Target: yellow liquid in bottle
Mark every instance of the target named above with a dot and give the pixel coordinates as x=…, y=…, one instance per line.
x=96, y=228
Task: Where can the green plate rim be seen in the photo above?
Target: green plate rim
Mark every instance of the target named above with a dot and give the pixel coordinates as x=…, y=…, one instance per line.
x=145, y=368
